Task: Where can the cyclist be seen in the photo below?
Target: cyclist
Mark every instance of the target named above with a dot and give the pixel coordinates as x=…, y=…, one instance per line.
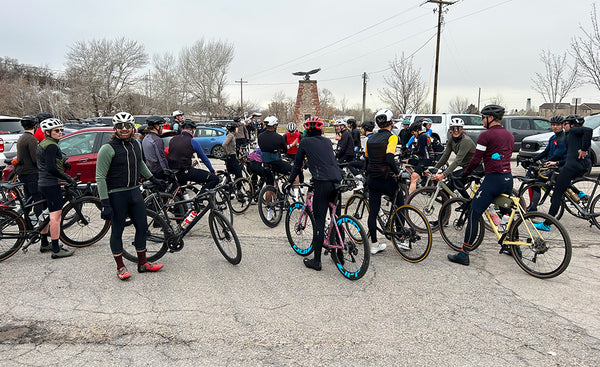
x=231, y=162
x=50, y=165
x=242, y=137
x=576, y=163
x=356, y=133
x=380, y=167
x=181, y=150
x=176, y=125
x=154, y=147
x=256, y=169
x=345, y=151
x=118, y=173
x=358, y=165
x=422, y=155
x=463, y=147
x=325, y=174
x=494, y=147
x=39, y=134
x=292, y=141
x=425, y=122
x=404, y=135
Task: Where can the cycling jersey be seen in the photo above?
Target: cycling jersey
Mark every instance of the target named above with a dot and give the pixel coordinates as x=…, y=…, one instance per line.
x=271, y=145
x=321, y=161
x=290, y=138
x=346, y=145
x=464, y=149
x=424, y=149
x=50, y=163
x=154, y=153
x=26, y=154
x=379, y=154
x=556, y=149
x=229, y=144
x=494, y=146
x=181, y=150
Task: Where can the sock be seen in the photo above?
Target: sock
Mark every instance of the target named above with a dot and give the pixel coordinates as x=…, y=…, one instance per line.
x=44, y=239
x=465, y=250
x=142, y=257
x=119, y=261
x=55, y=246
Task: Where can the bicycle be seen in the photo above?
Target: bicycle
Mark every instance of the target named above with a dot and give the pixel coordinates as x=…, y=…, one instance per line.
x=404, y=225
x=345, y=238
x=273, y=201
x=165, y=234
x=541, y=254
x=239, y=191
x=80, y=225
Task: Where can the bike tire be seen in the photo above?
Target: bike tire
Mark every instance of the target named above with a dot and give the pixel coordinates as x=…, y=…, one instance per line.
x=241, y=195
x=550, y=252
x=299, y=229
x=158, y=234
x=409, y=228
x=527, y=197
x=353, y=259
x=453, y=221
x=223, y=203
x=276, y=205
x=225, y=237
x=12, y=233
x=594, y=209
x=421, y=199
x=86, y=229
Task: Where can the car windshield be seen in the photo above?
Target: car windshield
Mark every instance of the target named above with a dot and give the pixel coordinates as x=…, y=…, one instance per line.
x=11, y=127
x=592, y=121
x=471, y=120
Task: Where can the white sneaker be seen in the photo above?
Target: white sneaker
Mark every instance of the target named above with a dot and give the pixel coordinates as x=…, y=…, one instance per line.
x=377, y=249
x=270, y=214
x=404, y=245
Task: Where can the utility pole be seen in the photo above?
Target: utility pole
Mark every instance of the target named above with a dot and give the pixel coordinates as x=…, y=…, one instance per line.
x=440, y=3
x=241, y=81
x=364, y=96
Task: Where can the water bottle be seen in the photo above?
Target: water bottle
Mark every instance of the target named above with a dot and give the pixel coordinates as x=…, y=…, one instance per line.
x=573, y=195
x=495, y=218
x=327, y=221
x=188, y=219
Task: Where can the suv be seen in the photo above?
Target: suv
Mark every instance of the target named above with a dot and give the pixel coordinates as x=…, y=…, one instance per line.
x=10, y=131
x=441, y=124
x=523, y=126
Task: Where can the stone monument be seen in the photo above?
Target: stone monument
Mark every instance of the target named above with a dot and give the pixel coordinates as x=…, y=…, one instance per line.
x=307, y=100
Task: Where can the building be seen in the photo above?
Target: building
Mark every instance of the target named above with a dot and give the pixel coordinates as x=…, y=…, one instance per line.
x=564, y=109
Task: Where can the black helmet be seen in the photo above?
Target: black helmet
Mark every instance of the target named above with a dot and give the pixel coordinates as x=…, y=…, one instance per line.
x=558, y=119
x=351, y=121
x=574, y=120
x=29, y=122
x=155, y=120
x=493, y=110
x=416, y=126
x=188, y=123
x=231, y=126
x=43, y=116
x=368, y=125
x=236, y=119
x=142, y=129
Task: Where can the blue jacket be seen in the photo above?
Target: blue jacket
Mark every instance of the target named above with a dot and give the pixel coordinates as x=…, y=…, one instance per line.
x=556, y=150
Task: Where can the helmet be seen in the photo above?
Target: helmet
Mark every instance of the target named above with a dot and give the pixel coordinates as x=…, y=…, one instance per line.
x=406, y=122
x=457, y=122
x=416, y=126
x=231, y=126
x=236, y=119
x=188, y=123
x=351, y=121
x=142, y=129
x=313, y=123
x=43, y=115
x=383, y=117
x=123, y=117
x=291, y=127
x=426, y=120
x=340, y=122
x=155, y=120
x=271, y=120
x=177, y=113
x=493, y=110
x=368, y=125
x=574, y=120
x=29, y=122
x=558, y=119
x=51, y=123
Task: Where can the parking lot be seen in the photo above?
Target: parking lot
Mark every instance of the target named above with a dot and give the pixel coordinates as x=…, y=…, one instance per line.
x=271, y=310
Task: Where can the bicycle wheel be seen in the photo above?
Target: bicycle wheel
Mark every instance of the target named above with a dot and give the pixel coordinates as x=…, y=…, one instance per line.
x=594, y=209
x=157, y=236
x=352, y=259
x=423, y=200
x=453, y=222
x=535, y=197
x=241, y=195
x=12, y=233
x=550, y=251
x=81, y=224
x=586, y=186
x=358, y=207
x=156, y=201
x=225, y=237
x=299, y=229
x=411, y=233
x=270, y=206
x=223, y=203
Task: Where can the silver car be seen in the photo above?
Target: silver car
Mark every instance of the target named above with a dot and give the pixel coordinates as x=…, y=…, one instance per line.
x=535, y=144
x=10, y=131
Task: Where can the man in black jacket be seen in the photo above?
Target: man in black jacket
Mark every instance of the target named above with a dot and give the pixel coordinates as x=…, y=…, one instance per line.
x=345, y=143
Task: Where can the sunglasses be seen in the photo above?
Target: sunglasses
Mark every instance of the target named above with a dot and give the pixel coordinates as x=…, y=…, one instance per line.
x=456, y=128
x=121, y=125
x=58, y=130
x=484, y=116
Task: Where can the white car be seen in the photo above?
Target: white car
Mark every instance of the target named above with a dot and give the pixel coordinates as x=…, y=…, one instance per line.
x=10, y=131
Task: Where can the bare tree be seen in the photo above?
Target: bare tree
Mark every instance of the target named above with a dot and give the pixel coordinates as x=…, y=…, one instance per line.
x=458, y=105
x=327, y=101
x=557, y=80
x=282, y=107
x=405, y=91
x=586, y=50
x=166, y=89
x=204, y=68
x=104, y=70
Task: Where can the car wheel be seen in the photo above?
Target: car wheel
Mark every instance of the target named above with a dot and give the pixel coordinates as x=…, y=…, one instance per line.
x=218, y=151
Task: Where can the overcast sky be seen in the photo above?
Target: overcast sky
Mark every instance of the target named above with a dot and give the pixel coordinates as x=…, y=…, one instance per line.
x=489, y=44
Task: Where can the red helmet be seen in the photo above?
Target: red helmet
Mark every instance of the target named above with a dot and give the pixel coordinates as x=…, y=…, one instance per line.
x=314, y=123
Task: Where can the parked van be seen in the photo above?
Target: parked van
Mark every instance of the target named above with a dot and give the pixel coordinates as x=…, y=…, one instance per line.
x=441, y=124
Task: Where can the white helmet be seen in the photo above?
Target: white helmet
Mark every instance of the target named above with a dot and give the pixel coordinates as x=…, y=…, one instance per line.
x=177, y=113
x=271, y=120
x=383, y=117
x=457, y=122
x=123, y=117
x=340, y=122
x=51, y=123
x=291, y=127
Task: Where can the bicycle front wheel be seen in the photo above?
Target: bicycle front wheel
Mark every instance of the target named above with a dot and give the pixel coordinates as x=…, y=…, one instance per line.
x=241, y=195
x=270, y=206
x=352, y=258
x=548, y=253
x=12, y=233
x=81, y=224
x=157, y=236
x=223, y=203
x=453, y=223
x=411, y=234
x=299, y=229
x=225, y=237
x=423, y=200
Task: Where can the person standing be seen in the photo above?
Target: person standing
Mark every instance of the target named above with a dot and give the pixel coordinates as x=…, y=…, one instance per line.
x=423, y=153
x=355, y=132
x=50, y=166
x=229, y=146
x=404, y=135
x=118, y=172
x=345, y=144
x=154, y=147
x=176, y=125
x=242, y=136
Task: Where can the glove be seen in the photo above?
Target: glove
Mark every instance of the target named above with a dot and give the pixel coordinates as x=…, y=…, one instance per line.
x=158, y=182
x=106, y=212
x=71, y=181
